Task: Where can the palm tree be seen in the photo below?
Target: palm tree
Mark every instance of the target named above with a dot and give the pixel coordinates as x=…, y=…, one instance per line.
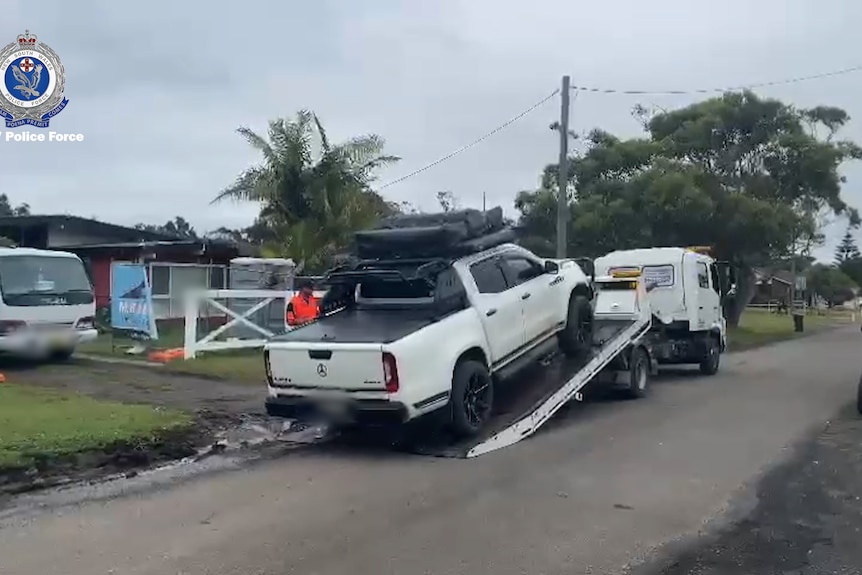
x=313, y=194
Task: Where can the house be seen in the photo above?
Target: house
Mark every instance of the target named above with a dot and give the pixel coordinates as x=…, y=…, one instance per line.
x=174, y=265
x=772, y=286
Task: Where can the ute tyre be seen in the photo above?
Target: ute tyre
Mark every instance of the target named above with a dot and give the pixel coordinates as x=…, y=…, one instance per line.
x=709, y=365
x=576, y=339
x=639, y=374
x=472, y=398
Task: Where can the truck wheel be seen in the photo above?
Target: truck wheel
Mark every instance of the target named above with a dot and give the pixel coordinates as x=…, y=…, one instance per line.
x=639, y=369
x=472, y=398
x=709, y=364
x=576, y=339
x=859, y=397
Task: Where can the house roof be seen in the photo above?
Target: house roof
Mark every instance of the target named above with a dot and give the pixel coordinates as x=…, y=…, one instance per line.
x=205, y=245
x=91, y=225
x=781, y=276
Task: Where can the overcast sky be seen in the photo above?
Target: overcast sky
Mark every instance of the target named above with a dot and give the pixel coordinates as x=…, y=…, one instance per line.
x=158, y=88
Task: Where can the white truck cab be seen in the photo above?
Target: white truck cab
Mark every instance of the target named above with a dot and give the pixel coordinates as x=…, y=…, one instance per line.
x=685, y=291
x=47, y=305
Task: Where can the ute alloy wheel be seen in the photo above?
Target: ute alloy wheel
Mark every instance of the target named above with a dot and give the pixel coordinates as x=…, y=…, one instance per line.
x=472, y=398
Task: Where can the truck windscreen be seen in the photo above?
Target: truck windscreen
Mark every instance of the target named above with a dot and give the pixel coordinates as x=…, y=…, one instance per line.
x=44, y=280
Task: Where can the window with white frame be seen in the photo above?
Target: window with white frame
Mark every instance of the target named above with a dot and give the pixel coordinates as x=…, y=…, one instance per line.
x=170, y=282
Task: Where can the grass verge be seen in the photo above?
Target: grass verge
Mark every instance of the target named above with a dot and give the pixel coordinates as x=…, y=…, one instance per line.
x=240, y=366
x=38, y=425
x=760, y=327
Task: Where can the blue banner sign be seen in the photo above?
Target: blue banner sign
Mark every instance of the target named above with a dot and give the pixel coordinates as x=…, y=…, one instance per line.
x=132, y=300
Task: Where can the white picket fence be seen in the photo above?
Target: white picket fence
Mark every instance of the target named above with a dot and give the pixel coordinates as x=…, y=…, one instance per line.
x=196, y=301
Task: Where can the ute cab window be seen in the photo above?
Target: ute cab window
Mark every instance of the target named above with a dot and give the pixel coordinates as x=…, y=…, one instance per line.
x=519, y=269
x=44, y=280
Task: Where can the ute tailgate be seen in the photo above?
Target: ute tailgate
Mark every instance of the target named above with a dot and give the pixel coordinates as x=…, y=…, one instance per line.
x=353, y=367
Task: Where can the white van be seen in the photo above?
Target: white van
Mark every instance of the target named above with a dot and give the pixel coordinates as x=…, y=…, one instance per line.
x=47, y=306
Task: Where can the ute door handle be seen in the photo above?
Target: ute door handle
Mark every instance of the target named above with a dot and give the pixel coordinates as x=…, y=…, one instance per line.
x=490, y=312
x=526, y=296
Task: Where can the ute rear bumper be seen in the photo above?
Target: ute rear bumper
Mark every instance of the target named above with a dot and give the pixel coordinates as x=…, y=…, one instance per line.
x=341, y=410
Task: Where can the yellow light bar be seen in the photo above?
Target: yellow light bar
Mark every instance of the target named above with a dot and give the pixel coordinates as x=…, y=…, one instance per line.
x=625, y=273
x=703, y=250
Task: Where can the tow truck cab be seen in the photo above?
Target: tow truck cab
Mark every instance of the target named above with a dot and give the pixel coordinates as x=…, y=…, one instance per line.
x=686, y=288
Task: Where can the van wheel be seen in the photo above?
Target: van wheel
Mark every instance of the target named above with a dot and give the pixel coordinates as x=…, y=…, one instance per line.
x=472, y=398
x=638, y=376
x=576, y=339
x=709, y=364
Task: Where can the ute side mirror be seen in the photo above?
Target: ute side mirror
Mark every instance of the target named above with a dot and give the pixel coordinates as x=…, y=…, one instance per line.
x=551, y=267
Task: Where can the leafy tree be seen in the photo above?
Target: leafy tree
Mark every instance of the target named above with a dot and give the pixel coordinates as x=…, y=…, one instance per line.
x=313, y=194
x=847, y=249
x=7, y=209
x=177, y=227
x=832, y=284
x=751, y=177
x=448, y=201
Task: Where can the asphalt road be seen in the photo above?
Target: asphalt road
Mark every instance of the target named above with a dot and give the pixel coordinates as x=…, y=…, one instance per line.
x=606, y=486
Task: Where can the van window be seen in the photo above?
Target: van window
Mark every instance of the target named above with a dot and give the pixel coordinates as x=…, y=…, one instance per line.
x=44, y=280
x=702, y=275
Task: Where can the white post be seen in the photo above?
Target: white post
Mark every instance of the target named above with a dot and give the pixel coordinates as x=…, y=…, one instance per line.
x=190, y=337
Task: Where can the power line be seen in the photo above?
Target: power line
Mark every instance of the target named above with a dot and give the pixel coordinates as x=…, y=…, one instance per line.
x=473, y=143
x=718, y=90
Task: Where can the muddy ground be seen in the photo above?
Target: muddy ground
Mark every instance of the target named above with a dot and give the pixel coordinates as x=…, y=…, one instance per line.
x=218, y=406
x=144, y=384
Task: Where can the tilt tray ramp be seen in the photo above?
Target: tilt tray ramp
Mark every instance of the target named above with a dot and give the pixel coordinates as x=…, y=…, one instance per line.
x=524, y=404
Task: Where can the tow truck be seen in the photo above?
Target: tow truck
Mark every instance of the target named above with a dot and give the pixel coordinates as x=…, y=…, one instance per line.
x=437, y=317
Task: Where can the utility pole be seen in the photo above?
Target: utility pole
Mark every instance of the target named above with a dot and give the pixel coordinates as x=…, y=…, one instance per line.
x=562, y=177
x=483, y=202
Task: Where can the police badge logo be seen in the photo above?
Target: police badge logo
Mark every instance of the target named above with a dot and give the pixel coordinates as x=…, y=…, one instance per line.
x=31, y=92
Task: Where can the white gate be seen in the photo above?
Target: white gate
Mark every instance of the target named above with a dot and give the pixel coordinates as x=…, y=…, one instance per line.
x=195, y=301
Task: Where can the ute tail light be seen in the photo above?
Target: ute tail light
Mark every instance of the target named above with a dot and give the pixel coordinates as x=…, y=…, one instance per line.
x=267, y=367
x=88, y=322
x=11, y=325
x=390, y=372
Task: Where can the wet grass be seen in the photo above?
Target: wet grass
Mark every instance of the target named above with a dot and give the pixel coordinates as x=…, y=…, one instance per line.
x=760, y=327
x=37, y=425
x=240, y=366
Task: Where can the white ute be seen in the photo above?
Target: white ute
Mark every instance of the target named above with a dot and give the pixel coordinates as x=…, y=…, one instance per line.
x=47, y=305
x=427, y=334
x=685, y=288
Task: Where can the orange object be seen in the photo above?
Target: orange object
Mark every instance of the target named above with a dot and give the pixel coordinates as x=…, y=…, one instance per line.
x=166, y=355
x=2, y=378
x=302, y=309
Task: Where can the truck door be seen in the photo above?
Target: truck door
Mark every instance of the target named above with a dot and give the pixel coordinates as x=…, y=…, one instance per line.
x=500, y=308
x=541, y=308
x=708, y=300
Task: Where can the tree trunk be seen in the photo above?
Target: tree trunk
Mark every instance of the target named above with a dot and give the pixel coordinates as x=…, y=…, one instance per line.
x=745, y=289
